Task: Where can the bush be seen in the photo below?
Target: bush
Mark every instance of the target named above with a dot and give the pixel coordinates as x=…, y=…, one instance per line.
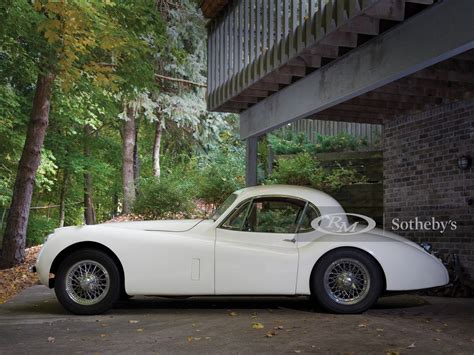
x=289, y=142
x=300, y=169
x=303, y=170
x=220, y=174
x=339, y=143
x=39, y=227
x=165, y=197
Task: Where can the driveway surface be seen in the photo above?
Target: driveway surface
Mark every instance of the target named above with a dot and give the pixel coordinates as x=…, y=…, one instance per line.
x=35, y=322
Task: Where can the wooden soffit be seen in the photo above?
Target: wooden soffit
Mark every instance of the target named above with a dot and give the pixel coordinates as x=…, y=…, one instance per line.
x=212, y=8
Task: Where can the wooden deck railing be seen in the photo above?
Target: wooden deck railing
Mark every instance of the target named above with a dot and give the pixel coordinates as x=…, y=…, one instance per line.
x=253, y=38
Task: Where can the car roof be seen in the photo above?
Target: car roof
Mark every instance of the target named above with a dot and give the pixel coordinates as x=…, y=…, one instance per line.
x=320, y=199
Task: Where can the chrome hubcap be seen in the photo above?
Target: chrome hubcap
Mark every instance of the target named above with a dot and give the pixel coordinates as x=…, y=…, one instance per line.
x=87, y=282
x=347, y=281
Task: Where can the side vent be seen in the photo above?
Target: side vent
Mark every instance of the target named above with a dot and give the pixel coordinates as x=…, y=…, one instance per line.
x=195, y=269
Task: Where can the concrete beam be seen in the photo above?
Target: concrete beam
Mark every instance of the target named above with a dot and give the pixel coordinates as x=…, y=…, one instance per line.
x=436, y=34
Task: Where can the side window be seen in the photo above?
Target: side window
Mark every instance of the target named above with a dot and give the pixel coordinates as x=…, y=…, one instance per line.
x=310, y=214
x=274, y=215
x=236, y=219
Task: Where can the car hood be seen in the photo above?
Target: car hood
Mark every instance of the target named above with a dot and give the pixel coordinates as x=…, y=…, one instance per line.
x=180, y=225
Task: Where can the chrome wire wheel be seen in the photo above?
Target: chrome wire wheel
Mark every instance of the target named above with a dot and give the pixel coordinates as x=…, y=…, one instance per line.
x=347, y=281
x=87, y=282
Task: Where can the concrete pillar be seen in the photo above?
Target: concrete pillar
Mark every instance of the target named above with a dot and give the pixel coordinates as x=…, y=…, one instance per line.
x=251, y=161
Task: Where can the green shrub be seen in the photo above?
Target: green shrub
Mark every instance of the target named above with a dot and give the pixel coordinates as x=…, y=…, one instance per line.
x=303, y=170
x=339, y=143
x=165, y=197
x=220, y=174
x=39, y=226
x=299, y=169
x=288, y=142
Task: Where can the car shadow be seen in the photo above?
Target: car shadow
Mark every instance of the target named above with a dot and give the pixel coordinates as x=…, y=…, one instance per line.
x=139, y=305
x=302, y=304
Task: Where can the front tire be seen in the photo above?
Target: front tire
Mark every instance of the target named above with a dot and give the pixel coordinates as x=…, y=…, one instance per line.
x=347, y=281
x=87, y=282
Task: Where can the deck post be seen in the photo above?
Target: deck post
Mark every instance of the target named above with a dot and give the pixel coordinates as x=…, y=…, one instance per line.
x=251, y=161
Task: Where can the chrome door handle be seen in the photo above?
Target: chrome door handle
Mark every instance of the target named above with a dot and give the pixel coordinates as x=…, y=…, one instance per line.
x=290, y=240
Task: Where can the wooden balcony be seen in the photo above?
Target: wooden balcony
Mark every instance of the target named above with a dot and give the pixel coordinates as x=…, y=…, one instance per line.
x=258, y=47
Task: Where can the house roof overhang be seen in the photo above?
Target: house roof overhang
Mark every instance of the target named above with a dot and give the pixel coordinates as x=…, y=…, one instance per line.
x=427, y=60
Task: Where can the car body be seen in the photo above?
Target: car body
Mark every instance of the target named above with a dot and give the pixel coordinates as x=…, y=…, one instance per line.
x=275, y=251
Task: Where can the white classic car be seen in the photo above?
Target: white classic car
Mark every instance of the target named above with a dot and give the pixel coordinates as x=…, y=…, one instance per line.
x=266, y=240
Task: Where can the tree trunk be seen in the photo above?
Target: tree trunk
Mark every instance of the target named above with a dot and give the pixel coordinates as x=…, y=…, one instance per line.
x=127, y=161
x=14, y=239
x=156, y=149
x=136, y=157
x=62, y=199
x=115, y=202
x=89, y=210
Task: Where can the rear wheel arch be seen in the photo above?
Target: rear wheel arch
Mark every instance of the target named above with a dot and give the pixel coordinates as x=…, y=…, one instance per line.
x=86, y=245
x=316, y=264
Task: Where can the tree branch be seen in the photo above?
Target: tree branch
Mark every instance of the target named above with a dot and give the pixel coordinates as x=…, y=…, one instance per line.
x=184, y=81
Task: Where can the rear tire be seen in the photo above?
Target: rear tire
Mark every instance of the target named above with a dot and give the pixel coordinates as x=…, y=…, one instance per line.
x=347, y=281
x=87, y=282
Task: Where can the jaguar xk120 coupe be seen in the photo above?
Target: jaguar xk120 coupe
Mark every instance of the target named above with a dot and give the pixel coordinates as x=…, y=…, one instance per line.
x=266, y=240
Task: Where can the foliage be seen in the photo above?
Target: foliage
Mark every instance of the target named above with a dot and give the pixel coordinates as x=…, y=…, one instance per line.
x=105, y=56
x=164, y=197
x=339, y=143
x=289, y=142
x=39, y=226
x=221, y=172
x=302, y=169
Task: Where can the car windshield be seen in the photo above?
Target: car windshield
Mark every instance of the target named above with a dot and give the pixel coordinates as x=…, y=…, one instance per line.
x=224, y=206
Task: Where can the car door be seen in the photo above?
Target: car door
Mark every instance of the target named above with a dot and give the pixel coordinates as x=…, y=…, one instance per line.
x=255, y=250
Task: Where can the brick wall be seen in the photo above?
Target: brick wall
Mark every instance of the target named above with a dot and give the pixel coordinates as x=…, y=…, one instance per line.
x=422, y=179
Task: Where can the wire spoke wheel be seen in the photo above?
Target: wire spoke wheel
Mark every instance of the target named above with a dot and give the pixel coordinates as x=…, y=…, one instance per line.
x=347, y=281
x=87, y=282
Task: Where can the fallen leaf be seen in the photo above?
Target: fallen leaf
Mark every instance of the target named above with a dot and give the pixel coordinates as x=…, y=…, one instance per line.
x=271, y=334
x=133, y=321
x=297, y=351
x=392, y=352
x=411, y=346
x=380, y=329
x=51, y=339
x=233, y=314
x=139, y=330
x=257, y=326
x=190, y=339
x=279, y=327
x=207, y=338
x=362, y=325
x=436, y=339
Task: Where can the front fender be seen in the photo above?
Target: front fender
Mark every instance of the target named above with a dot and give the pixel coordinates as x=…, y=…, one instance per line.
x=60, y=240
